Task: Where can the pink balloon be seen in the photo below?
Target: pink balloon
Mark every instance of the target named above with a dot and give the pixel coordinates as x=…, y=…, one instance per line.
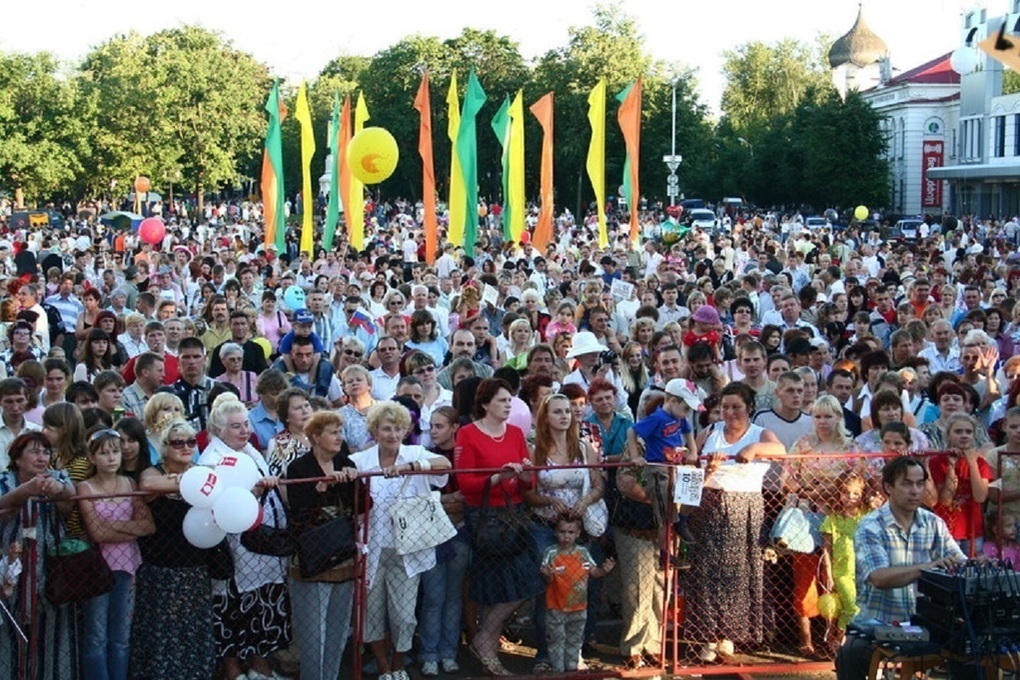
x=520, y=415
x=152, y=230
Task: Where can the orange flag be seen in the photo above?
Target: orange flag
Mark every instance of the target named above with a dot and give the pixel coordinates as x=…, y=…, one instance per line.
x=543, y=111
x=422, y=103
x=343, y=140
x=629, y=117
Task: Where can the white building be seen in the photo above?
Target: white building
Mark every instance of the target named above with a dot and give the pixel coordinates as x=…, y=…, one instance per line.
x=920, y=108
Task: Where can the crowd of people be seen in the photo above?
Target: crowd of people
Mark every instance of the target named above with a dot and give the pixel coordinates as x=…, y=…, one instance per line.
x=559, y=392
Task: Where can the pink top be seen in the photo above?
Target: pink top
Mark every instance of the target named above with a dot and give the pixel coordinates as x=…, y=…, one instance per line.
x=124, y=556
x=1010, y=551
x=273, y=327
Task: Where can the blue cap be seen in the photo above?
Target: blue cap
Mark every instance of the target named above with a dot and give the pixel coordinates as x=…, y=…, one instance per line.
x=303, y=316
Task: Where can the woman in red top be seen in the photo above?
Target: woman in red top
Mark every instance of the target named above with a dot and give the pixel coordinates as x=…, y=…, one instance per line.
x=499, y=585
x=961, y=476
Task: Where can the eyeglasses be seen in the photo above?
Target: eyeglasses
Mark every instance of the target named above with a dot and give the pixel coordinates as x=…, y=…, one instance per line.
x=425, y=370
x=743, y=311
x=106, y=432
x=233, y=358
x=395, y=302
x=182, y=443
x=352, y=353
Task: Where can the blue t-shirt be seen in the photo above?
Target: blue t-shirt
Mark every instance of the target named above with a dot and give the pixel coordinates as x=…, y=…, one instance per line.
x=662, y=432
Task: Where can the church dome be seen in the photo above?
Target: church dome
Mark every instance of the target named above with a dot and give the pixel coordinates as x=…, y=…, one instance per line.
x=859, y=46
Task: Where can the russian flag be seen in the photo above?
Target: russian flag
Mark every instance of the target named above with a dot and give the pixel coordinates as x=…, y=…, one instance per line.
x=361, y=320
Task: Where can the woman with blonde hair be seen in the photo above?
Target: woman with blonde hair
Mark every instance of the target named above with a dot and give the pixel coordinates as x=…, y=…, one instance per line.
x=815, y=483
x=522, y=338
x=641, y=332
x=357, y=383
x=173, y=591
x=161, y=409
x=392, y=579
x=349, y=351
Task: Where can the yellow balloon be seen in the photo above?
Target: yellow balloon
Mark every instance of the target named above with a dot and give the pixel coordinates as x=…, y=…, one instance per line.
x=372, y=155
x=861, y=212
x=829, y=606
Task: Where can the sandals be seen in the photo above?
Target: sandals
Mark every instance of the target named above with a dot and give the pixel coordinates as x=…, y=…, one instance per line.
x=490, y=664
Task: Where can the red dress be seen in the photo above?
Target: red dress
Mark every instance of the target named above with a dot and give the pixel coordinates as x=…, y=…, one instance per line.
x=475, y=449
x=964, y=516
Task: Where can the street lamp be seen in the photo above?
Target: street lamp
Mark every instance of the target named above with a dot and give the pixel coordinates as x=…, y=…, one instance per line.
x=673, y=160
x=748, y=144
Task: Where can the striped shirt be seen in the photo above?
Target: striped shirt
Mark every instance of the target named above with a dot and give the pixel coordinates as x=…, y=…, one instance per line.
x=879, y=543
x=70, y=309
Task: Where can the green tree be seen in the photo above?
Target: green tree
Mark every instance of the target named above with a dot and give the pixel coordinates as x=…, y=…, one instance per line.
x=180, y=103
x=764, y=81
x=43, y=137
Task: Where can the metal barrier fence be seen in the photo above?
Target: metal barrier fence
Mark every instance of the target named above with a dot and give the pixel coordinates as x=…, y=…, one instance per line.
x=766, y=584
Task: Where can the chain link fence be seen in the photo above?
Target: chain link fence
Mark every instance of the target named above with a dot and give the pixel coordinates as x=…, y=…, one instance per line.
x=765, y=581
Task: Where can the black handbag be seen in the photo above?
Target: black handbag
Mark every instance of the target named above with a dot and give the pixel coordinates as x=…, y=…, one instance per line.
x=76, y=570
x=220, y=561
x=500, y=532
x=325, y=546
x=269, y=540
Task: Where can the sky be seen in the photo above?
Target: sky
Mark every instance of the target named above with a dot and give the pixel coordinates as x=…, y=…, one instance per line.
x=692, y=33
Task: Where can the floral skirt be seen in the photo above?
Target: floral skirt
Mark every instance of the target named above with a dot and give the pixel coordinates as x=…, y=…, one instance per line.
x=252, y=623
x=172, y=631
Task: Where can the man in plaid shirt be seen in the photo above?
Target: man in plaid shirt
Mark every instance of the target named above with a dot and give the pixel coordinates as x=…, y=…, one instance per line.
x=892, y=545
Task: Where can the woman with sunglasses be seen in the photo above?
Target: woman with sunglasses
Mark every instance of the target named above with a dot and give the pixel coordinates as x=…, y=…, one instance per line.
x=173, y=590
x=251, y=619
x=31, y=476
x=423, y=367
x=350, y=351
x=114, y=523
x=424, y=336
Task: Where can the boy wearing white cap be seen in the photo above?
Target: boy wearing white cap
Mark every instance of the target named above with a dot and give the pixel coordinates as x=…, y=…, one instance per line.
x=669, y=438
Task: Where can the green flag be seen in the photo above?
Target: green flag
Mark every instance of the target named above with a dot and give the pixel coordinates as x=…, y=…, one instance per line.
x=333, y=209
x=272, y=173
x=501, y=126
x=467, y=153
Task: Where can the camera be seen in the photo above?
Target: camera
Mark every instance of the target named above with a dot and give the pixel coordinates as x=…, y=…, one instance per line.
x=608, y=357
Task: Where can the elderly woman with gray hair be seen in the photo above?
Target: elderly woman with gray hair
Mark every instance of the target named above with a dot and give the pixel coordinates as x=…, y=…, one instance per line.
x=392, y=579
x=251, y=615
x=232, y=356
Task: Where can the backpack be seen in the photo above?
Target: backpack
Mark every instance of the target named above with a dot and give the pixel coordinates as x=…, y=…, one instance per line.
x=55, y=321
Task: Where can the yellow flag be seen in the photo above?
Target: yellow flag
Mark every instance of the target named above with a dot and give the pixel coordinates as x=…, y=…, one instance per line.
x=356, y=205
x=596, y=164
x=517, y=198
x=304, y=116
x=458, y=192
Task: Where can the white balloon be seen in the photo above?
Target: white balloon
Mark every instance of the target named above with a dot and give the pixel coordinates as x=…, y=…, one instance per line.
x=236, y=510
x=964, y=60
x=200, y=529
x=200, y=486
x=238, y=469
x=210, y=457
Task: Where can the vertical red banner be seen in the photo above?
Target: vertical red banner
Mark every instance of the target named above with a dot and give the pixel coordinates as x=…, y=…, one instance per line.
x=931, y=189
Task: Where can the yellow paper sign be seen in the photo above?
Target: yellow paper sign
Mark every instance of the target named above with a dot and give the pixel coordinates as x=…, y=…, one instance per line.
x=1003, y=47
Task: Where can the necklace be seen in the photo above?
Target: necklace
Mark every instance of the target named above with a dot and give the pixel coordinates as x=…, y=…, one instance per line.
x=493, y=437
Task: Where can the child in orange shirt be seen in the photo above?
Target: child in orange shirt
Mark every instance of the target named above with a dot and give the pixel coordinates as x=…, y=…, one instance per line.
x=566, y=567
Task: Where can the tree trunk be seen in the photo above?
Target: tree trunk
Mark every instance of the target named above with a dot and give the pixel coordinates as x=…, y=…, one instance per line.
x=19, y=198
x=200, y=192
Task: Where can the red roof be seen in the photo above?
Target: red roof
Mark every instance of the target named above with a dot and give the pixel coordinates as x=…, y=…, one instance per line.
x=935, y=72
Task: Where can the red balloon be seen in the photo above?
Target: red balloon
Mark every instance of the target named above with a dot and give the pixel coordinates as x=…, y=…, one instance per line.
x=526, y=237
x=152, y=230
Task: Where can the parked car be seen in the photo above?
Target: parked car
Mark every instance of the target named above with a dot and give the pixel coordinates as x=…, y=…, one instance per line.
x=815, y=223
x=704, y=220
x=908, y=228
